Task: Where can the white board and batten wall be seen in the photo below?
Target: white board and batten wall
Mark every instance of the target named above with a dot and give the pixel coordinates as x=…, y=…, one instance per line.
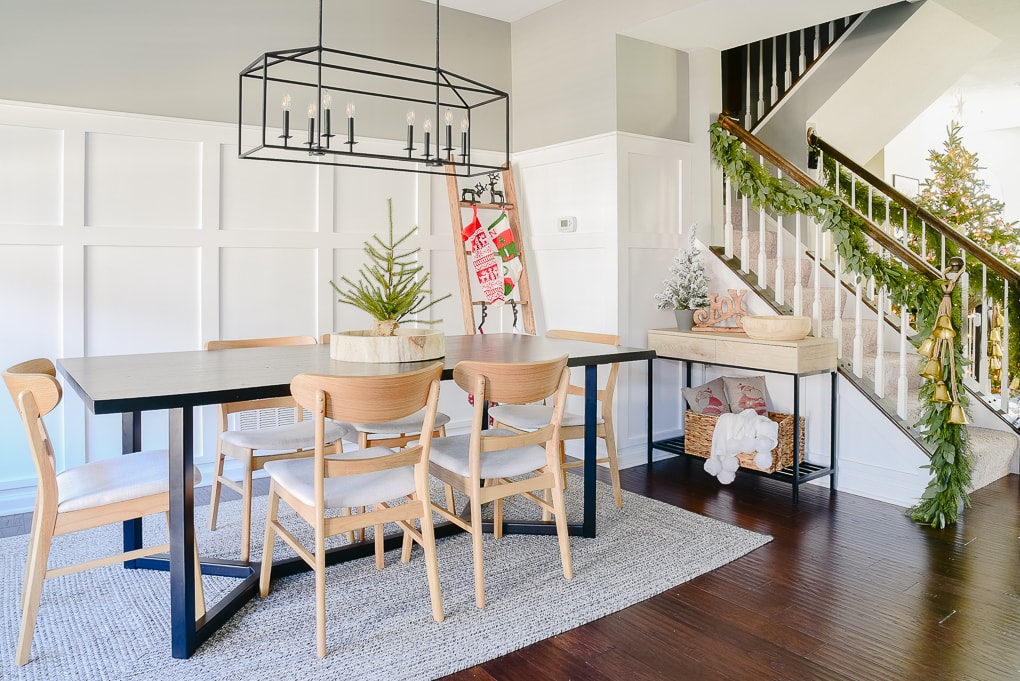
x=124, y=233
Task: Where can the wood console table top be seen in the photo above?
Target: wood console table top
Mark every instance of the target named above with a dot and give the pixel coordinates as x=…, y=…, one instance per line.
x=806, y=356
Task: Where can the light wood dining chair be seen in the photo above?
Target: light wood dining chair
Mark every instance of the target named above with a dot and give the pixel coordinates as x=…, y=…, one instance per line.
x=489, y=465
x=254, y=447
x=395, y=433
x=528, y=417
x=101, y=492
x=374, y=477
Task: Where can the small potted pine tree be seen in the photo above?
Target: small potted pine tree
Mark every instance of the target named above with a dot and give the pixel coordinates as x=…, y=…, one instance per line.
x=391, y=288
x=686, y=288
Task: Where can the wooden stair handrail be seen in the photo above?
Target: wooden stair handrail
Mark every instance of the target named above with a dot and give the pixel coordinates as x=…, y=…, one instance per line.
x=791, y=171
x=968, y=245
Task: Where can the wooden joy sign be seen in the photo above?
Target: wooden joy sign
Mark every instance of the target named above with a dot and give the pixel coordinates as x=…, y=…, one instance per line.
x=720, y=311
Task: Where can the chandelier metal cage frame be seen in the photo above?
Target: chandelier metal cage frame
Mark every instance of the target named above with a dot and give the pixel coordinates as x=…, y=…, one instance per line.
x=390, y=86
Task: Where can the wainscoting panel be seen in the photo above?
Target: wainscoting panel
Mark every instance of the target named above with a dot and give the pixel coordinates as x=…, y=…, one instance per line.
x=263, y=195
x=142, y=181
x=31, y=190
x=269, y=292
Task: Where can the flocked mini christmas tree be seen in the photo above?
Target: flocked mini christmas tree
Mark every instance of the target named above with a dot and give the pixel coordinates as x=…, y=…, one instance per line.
x=957, y=194
x=687, y=285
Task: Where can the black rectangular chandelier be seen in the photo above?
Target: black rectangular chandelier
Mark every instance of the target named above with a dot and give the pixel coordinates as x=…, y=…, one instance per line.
x=440, y=102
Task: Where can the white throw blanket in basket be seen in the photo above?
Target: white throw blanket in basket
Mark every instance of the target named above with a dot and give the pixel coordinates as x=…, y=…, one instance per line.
x=736, y=433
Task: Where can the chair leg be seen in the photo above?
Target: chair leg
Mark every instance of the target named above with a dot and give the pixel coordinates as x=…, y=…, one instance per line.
x=361, y=531
x=267, y=546
x=559, y=509
x=451, y=504
x=320, y=587
x=33, y=538
x=614, y=465
x=428, y=536
x=380, y=558
x=214, y=491
x=476, y=547
x=350, y=533
x=563, y=460
x=34, y=577
x=246, y=511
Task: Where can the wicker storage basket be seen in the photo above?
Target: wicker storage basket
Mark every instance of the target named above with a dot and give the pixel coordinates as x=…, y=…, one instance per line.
x=698, y=431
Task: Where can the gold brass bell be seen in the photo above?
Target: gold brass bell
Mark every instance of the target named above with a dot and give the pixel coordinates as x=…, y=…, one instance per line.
x=956, y=414
x=927, y=348
x=995, y=350
x=1000, y=321
x=994, y=363
x=1015, y=383
x=944, y=333
x=994, y=336
x=941, y=393
x=932, y=369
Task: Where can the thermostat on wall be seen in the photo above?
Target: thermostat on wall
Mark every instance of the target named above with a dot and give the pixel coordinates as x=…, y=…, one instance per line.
x=568, y=224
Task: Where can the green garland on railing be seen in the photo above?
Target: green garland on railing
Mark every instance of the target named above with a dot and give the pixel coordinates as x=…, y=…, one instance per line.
x=950, y=467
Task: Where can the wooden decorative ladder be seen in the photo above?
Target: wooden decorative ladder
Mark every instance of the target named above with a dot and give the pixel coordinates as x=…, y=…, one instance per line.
x=460, y=249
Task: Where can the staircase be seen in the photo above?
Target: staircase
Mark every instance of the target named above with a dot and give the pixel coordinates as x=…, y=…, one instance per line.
x=793, y=266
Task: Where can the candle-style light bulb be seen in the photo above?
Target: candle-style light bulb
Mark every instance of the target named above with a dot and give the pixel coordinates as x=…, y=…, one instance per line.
x=350, y=123
x=286, y=119
x=449, y=132
x=464, y=139
x=327, y=126
x=311, y=125
x=410, y=132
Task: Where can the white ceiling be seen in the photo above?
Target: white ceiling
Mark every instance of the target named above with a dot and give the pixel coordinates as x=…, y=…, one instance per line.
x=504, y=10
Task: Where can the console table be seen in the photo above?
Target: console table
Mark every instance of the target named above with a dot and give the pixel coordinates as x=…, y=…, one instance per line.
x=798, y=359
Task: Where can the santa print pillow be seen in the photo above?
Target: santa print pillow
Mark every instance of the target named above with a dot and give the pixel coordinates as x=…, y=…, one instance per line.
x=747, y=392
x=709, y=398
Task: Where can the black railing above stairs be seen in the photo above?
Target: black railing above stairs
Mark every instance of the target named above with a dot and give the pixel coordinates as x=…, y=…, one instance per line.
x=757, y=76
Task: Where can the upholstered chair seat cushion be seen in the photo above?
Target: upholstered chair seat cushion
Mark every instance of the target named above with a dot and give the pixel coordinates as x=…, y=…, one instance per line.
x=452, y=453
x=408, y=424
x=115, y=479
x=297, y=476
x=532, y=416
x=300, y=435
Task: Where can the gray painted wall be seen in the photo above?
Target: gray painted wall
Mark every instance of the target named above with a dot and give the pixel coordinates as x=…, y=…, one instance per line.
x=652, y=90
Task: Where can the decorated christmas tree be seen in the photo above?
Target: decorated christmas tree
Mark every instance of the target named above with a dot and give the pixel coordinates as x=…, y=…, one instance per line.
x=957, y=194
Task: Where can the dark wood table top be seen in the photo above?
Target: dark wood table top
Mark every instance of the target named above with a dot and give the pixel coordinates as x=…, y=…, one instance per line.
x=126, y=383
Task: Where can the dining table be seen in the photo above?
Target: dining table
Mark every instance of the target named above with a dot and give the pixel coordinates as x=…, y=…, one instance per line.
x=180, y=381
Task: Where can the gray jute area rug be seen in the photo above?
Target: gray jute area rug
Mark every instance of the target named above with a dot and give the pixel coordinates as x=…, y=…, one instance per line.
x=110, y=623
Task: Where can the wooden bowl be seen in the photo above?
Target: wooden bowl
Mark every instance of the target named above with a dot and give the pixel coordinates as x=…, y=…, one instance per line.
x=777, y=327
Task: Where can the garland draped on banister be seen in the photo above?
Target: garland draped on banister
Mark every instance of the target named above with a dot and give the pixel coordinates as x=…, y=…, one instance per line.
x=950, y=466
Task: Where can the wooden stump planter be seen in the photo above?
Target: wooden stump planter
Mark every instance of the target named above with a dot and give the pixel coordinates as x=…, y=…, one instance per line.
x=407, y=345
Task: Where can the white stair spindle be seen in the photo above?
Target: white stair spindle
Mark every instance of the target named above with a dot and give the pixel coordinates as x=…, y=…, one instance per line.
x=774, y=91
x=985, y=382
x=728, y=226
x=745, y=241
x=816, y=275
x=761, y=79
x=802, y=60
x=798, y=267
x=762, y=277
x=901, y=382
x=748, y=120
x=858, y=363
x=788, y=74
x=880, y=344
x=780, y=289
x=837, y=313
x=1004, y=372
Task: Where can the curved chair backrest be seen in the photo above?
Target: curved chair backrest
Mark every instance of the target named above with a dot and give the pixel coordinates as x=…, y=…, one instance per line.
x=511, y=382
x=366, y=399
x=36, y=392
x=269, y=403
x=605, y=395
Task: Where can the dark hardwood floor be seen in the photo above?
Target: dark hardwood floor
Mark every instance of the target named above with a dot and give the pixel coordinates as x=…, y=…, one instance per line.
x=848, y=589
